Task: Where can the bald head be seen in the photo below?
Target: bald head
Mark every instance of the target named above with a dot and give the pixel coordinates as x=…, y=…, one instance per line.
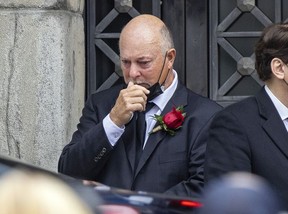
x=145, y=19
x=148, y=29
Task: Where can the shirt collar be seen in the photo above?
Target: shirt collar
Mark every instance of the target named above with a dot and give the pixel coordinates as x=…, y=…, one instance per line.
x=163, y=98
x=281, y=108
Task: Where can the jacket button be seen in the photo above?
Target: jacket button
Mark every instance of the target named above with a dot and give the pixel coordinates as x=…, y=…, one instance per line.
x=96, y=158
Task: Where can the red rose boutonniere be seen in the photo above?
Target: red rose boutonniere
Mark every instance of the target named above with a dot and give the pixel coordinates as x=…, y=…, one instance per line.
x=171, y=121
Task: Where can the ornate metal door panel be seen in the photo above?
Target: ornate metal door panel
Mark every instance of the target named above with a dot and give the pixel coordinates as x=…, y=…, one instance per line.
x=235, y=26
x=104, y=21
x=187, y=19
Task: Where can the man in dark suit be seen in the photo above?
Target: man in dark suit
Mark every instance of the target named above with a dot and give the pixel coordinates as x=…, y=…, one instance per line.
x=104, y=148
x=252, y=134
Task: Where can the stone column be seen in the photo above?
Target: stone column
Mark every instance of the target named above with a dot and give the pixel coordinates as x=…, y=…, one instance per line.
x=42, y=77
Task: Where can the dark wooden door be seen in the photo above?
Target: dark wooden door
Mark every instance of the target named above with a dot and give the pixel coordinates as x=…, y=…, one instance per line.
x=214, y=41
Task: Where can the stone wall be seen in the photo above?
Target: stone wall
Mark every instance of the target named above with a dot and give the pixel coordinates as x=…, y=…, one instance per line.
x=42, y=77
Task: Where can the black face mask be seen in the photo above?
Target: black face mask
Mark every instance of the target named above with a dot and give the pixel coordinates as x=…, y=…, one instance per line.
x=155, y=91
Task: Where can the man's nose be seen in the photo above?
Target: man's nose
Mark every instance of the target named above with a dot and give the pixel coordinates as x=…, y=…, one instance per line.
x=134, y=70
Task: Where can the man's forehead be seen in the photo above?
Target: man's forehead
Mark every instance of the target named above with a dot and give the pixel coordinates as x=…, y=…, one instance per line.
x=138, y=57
x=142, y=53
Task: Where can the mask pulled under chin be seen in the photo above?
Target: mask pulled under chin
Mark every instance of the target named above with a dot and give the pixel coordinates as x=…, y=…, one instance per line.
x=155, y=90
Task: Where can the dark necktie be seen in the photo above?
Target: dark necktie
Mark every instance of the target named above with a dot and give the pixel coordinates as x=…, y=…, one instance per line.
x=141, y=131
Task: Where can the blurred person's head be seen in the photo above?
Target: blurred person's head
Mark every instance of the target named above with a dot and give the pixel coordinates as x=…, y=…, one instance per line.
x=28, y=192
x=239, y=193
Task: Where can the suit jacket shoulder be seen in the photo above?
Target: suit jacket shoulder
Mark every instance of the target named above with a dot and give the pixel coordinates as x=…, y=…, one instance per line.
x=198, y=102
x=256, y=109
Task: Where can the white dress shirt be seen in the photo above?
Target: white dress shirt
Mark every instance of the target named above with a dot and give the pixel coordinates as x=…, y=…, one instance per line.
x=113, y=132
x=281, y=108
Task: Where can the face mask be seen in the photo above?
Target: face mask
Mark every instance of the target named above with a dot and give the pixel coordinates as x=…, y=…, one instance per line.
x=155, y=91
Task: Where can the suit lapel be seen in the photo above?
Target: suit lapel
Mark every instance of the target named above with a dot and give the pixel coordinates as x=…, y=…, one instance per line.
x=179, y=98
x=272, y=124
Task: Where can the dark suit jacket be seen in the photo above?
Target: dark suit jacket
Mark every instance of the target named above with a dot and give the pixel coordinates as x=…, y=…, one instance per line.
x=173, y=163
x=250, y=136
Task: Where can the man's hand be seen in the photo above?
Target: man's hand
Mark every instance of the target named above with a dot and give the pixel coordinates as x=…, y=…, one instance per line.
x=131, y=99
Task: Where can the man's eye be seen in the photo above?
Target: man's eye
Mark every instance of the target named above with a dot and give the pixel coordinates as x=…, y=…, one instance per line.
x=125, y=62
x=144, y=63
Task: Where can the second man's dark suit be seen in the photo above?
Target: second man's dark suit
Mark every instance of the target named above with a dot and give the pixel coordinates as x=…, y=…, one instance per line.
x=250, y=136
x=168, y=163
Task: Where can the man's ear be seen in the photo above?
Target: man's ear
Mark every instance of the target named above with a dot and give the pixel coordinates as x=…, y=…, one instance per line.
x=171, y=54
x=277, y=68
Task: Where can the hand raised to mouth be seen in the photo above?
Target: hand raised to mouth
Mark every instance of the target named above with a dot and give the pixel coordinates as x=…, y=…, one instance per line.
x=131, y=99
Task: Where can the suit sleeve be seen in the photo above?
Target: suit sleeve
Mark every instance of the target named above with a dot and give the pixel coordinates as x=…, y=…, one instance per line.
x=227, y=147
x=89, y=148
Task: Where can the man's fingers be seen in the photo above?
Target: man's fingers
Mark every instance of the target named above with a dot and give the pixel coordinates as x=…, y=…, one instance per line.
x=136, y=104
x=131, y=99
x=131, y=86
x=136, y=94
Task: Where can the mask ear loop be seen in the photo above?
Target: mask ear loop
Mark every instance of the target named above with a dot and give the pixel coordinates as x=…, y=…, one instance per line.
x=285, y=80
x=162, y=70
x=156, y=89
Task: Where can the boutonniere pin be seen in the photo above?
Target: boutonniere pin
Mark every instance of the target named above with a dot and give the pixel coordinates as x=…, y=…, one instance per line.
x=171, y=121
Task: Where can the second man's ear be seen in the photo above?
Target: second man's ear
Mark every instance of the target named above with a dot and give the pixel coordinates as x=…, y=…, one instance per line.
x=277, y=68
